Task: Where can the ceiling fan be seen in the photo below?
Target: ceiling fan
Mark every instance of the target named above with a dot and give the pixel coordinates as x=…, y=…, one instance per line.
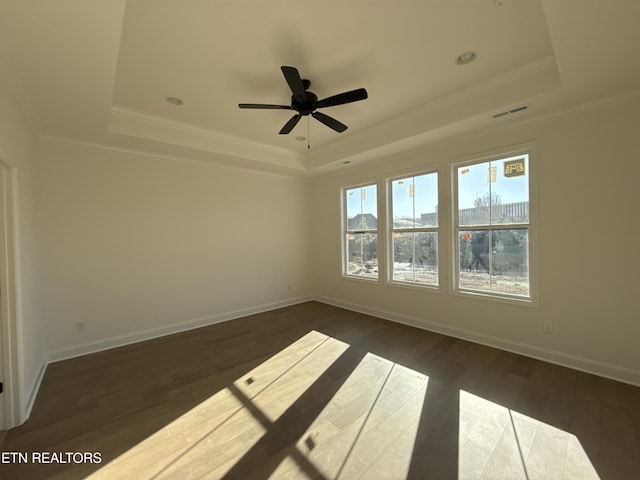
x=305, y=102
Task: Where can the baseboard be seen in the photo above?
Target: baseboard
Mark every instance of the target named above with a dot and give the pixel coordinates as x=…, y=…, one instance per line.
x=33, y=394
x=121, y=340
x=602, y=369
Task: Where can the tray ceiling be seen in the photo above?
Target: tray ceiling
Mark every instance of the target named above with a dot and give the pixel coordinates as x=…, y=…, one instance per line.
x=100, y=72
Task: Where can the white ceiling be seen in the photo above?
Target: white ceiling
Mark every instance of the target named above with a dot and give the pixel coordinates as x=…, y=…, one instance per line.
x=99, y=71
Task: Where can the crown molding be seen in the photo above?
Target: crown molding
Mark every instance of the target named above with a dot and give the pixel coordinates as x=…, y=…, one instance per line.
x=225, y=162
x=134, y=123
x=594, y=104
x=532, y=118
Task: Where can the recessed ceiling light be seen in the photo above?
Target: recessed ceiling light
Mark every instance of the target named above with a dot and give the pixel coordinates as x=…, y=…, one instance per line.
x=174, y=101
x=300, y=139
x=466, y=58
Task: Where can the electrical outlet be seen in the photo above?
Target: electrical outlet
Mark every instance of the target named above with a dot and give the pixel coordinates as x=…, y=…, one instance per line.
x=81, y=326
x=547, y=328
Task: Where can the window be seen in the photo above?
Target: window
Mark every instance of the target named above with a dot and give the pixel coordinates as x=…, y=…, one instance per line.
x=360, y=207
x=492, y=227
x=414, y=229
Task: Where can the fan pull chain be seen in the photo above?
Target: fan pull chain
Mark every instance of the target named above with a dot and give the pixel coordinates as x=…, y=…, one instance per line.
x=308, y=139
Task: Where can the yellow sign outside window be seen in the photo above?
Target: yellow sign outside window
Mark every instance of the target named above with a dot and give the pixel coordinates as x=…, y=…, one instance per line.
x=514, y=168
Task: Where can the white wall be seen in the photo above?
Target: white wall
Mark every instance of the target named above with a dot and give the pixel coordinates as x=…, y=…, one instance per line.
x=137, y=246
x=589, y=260
x=18, y=150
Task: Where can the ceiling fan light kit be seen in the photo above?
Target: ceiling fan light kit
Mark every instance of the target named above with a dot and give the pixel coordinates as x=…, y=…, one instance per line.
x=305, y=102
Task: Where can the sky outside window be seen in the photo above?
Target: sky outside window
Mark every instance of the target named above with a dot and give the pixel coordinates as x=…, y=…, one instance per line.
x=362, y=200
x=477, y=181
x=415, y=196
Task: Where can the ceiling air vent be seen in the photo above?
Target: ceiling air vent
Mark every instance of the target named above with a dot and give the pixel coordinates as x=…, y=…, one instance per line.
x=518, y=109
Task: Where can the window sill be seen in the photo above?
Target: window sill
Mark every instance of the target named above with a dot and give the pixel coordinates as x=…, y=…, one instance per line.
x=415, y=286
x=497, y=298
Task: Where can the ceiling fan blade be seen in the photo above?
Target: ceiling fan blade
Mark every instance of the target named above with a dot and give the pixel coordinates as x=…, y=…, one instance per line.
x=264, y=106
x=342, y=98
x=292, y=77
x=329, y=122
x=293, y=121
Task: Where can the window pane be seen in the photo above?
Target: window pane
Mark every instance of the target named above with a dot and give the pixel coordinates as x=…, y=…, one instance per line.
x=362, y=254
x=474, y=194
x=510, y=192
x=495, y=261
x=402, y=203
x=362, y=208
x=474, y=260
x=415, y=201
x=415, y=257
x=510, y=261
x=426, y=200
x=494, y=193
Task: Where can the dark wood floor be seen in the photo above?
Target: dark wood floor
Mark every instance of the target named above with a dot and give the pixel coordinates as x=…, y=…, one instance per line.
x=314, y=391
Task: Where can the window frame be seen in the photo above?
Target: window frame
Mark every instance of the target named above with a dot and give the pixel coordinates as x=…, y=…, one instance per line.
x=391, y=230
x=530, y=151
x=345, y=232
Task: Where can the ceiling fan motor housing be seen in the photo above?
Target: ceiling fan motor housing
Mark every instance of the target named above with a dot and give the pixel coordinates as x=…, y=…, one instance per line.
x=307, y=106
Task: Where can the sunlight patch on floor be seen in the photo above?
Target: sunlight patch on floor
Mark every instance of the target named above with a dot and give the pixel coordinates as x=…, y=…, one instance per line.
x=498, y=443
x=368, y=429
x=273, y=389
x=210, y=439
